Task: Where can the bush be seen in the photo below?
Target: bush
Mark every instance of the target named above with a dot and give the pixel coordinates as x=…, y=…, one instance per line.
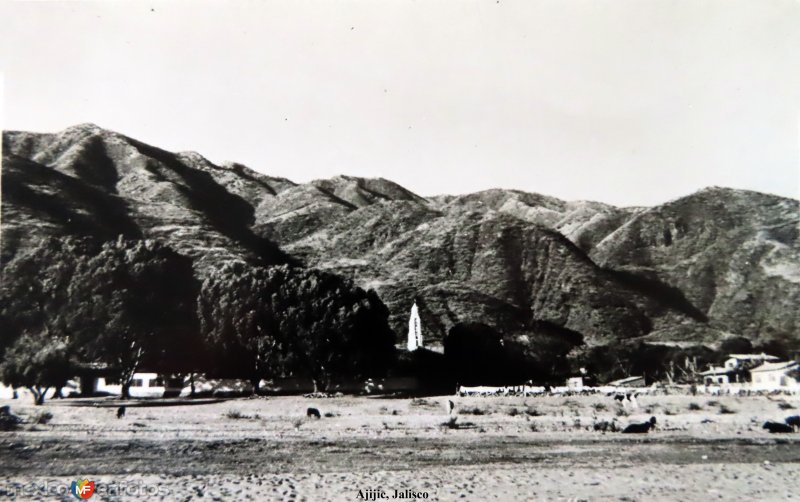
x=237, y=415
x=473, y=411
x=513, y=412
x=724, y=410
x=532, y=412
x=599, y=407
x=452, y=423
x=785, y=406
x=695, y=407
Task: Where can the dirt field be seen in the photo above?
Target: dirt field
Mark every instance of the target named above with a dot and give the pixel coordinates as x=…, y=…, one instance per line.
x=513, y=448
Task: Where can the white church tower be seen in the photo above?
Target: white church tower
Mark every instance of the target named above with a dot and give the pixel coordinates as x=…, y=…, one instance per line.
x=414, y=329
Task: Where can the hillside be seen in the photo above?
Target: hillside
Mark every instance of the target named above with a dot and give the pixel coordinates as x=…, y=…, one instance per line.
x=713, y=264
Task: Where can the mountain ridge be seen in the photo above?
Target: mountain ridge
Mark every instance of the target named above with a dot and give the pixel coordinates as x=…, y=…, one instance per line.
x=505, y=257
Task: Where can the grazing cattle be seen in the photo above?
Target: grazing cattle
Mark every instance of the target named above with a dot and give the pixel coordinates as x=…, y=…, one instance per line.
x=642, y=428
x=313, y=412
x=606, y=426
x=794, y=421
x=121, y=412
x=777, y=427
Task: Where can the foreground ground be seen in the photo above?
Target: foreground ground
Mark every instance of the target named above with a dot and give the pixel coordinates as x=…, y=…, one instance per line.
x=705, y=448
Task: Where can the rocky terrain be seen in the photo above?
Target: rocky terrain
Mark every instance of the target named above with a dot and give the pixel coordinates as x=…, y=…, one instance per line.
x=710, y=265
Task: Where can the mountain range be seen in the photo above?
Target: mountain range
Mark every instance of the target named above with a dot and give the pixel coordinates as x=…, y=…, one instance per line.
x=696, y=270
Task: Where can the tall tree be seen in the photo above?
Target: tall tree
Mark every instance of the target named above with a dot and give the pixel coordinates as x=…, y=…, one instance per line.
x=236, y=316
x=34, y=289
x=132, y=303
x=281, y=321
x=333, y=327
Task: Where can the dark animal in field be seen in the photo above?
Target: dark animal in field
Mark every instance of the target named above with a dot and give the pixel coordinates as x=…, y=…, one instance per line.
x=8, y=421
x=642, y=428
x=606, y=426
x=313, y=412
x=121, y=412
x=794, y=421
x=777, y=427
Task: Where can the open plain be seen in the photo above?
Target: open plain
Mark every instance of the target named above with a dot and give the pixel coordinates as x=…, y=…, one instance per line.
x=498, y=448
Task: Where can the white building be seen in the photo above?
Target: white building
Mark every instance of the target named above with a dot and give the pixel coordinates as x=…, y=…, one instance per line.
x=775, y=376
x=414, y=329
x=733, y=369
x=716, y=375
x=575, y=383
x=142, y=385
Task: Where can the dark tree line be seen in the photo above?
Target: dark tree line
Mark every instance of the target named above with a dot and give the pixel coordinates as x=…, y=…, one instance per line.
x=128, y=304
x=282, y=321
x=478, y=354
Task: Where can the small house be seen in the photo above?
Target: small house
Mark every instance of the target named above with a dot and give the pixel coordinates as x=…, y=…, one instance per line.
x=776, y=376
x=575, y=383
x=716, y=376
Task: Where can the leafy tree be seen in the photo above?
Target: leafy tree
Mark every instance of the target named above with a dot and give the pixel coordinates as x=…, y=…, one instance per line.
x=37, y=362
x=332, y=327
x=281, y=321
x=541, y=351
x=475, y=354
x=33, y=301
x=33, y=289
x=132, y=303
x=236, y=315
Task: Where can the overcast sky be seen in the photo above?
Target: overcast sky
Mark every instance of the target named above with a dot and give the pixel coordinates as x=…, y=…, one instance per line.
x=628, y=102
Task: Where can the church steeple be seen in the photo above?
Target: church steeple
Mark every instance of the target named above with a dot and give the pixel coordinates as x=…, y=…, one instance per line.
x=414, y=329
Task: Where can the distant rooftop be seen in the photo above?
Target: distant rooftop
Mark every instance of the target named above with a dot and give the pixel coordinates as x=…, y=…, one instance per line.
x=751, y=357
x=774, y=366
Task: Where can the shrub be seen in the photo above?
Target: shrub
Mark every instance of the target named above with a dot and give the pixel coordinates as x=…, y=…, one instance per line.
x=452, y=423
x=599, y=407
x=724, y=410
x=473, y=411
x=513, y=412
x=695, y=407
x=532, y=412
x=236, y=415
x=785, y=406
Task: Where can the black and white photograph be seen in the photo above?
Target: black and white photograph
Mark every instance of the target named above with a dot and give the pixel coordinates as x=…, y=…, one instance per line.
x=367, y=250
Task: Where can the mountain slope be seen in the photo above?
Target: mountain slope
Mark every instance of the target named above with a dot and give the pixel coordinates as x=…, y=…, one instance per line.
x=714, y=264
x=735, y=254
